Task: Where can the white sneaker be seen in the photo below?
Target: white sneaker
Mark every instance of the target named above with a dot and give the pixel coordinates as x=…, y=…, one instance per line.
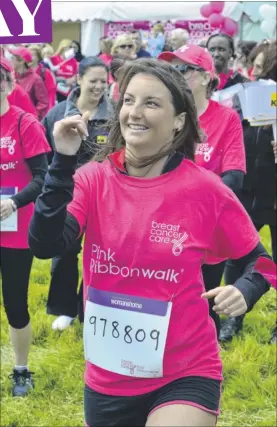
x=62, y=322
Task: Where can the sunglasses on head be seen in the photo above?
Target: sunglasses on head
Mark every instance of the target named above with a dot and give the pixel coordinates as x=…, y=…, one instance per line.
x=188, y=67
x=124, y=46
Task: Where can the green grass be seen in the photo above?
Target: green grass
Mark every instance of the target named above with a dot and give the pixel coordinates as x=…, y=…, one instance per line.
x=249, y=396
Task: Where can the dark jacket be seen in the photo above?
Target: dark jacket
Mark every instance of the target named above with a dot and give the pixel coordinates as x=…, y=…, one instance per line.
x=96, y=126
x=235, y=78
x=143, y=54
x=258, y=194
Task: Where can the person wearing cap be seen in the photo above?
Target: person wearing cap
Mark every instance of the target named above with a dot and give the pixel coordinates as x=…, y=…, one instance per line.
x=29, y=80
x=18, y=96
x=88, y=96
x=23, y=149
x=222, y=148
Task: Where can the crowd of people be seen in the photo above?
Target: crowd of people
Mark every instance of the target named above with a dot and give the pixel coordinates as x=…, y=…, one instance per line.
x=128, y=152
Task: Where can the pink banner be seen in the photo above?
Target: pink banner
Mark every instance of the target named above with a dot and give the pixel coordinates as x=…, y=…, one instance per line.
x=197, y=29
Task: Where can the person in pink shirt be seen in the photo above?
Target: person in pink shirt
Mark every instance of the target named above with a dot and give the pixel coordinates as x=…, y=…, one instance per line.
x=21, y=99
x=46, y=74
x=66, y=69
x=105, y=54
x=222, y=150
x=28, y=79
x=151, y=218
x=23, y=148
x=18, y=97
x=106, y=45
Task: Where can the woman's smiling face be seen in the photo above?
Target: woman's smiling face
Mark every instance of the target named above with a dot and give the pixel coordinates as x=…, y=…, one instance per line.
x=147, y=117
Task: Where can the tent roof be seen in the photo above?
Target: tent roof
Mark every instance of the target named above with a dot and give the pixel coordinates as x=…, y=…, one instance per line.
x=72, y=10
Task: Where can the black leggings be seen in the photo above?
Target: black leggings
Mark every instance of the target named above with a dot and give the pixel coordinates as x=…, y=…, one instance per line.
x=64, y=298
x=15, y=267
x=212, y=275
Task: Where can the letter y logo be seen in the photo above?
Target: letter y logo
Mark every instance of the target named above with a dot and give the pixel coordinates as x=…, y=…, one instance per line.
x=25, y=21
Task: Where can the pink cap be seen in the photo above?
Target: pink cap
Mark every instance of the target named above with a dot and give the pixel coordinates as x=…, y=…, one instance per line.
x=6, y=64
x=23, y=52
x=192, y=54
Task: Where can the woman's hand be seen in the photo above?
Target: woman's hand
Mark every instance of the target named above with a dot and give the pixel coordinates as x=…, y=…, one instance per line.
x=228, y=300
x=69, y=132
x=6, y=209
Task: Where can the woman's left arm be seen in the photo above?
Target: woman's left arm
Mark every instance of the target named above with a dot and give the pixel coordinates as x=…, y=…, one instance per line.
x=38, y=166
x=240, y=297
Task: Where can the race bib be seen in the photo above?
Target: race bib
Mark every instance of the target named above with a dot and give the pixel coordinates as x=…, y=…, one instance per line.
x=125, y=334
x=11, y=223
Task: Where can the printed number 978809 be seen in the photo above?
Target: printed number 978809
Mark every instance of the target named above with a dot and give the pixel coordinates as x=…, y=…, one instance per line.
x=128, y=333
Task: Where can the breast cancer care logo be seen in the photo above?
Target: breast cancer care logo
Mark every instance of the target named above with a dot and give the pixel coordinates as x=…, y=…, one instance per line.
x=25, y=21
x=177, y=247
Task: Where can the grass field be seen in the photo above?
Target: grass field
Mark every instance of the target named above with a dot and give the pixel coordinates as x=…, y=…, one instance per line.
x=249, y=396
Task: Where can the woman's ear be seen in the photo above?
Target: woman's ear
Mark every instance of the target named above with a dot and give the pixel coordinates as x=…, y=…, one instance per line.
x=180, y=122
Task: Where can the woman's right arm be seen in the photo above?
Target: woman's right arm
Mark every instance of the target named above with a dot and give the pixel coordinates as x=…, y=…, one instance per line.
x=52, y=229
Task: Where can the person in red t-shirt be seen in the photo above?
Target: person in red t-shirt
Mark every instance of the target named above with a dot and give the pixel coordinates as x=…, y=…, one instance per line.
x=21, y=99
x=46, y=74
x=18, y=97
x=66, y=74
x=222, y=150
x=28, y=79
x=151, y=218
x=23, y=166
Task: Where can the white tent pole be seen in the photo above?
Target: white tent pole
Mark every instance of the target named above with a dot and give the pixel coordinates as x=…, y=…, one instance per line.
x=91, y=32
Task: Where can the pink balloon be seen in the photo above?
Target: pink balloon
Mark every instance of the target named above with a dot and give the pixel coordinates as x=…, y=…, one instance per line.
x=230, y=27
x=217, y=6
x=216, y=20
x=206, y=10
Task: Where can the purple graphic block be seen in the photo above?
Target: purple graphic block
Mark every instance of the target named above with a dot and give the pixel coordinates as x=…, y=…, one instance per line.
x=17, y=25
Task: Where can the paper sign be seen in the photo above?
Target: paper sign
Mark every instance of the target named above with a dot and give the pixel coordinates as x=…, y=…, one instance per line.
x=131, y=329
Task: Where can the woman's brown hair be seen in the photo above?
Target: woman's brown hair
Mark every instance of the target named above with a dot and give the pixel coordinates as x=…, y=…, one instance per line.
x=212, y=85
x=268, y=49
x=185, y=140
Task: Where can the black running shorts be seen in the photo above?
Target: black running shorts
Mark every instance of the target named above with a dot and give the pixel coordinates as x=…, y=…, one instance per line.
x=103, y=410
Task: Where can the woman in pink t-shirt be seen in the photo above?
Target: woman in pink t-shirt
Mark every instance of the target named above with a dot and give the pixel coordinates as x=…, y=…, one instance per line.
x=22, y=170
x=151, y=218
x=66, y=69
x=222, y=149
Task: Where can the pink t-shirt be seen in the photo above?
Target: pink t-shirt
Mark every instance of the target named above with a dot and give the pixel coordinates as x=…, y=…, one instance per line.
x=133, y=222
x=223, y=147
x=14, y=171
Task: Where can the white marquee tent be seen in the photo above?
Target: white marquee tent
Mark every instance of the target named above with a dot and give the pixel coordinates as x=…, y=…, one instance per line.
x=93, y=15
